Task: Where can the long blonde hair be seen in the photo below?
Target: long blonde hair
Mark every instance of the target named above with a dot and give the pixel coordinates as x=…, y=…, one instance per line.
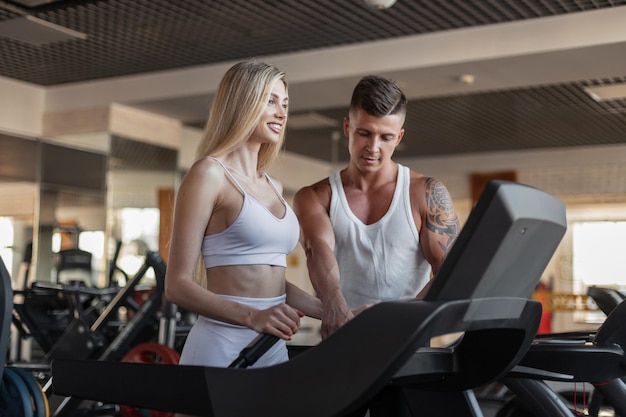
x=236, y=110
x=239, y=102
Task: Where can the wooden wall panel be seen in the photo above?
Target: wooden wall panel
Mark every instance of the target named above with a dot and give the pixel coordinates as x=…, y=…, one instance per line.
x=478, y=181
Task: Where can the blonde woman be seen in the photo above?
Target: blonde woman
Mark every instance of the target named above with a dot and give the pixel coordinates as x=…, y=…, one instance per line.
x=232, y=214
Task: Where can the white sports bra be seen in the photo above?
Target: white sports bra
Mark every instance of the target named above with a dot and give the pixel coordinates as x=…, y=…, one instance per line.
x=255, y=237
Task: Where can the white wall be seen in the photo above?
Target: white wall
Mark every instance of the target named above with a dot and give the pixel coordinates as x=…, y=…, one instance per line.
x=598, y=171
x=21, y=107
x=137, y=188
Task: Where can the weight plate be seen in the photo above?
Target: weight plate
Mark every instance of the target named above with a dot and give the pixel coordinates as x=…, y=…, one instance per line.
x=15, y=399
x=152, y=353
x=39, y=398
x=149, y=353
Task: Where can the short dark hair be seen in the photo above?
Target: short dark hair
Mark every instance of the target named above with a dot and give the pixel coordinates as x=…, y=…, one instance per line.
x=378, y=96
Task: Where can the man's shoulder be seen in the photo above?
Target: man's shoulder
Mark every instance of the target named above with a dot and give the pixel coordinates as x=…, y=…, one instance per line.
x=321, y=186
x=307, y=197
x=418, y=179
x=421, y=186
x=424, y=188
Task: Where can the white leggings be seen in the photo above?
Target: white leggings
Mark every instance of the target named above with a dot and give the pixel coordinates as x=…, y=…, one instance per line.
x=215, y=343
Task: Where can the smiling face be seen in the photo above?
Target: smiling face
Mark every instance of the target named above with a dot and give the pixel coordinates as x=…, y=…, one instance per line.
x=372, y=140
x=274, y=118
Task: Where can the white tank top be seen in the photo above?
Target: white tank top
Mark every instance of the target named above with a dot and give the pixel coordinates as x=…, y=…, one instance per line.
x=380, y=261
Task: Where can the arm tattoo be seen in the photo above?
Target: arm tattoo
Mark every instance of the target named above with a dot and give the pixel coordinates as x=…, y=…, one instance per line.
x=440, y=215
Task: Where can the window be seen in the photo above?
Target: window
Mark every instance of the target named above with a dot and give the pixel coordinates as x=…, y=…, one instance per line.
x=599, y=254
x=139, y=229
x=598, y=258
x=6, y=242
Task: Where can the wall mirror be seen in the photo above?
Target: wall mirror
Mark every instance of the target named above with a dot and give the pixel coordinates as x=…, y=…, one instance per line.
x=57, y=198
x=19, y=167
x=139, y=173
x=50, y=194
x=71, y=215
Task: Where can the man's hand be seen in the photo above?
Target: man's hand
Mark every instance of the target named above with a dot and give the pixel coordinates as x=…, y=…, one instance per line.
x=336, y=313
x=361, y=309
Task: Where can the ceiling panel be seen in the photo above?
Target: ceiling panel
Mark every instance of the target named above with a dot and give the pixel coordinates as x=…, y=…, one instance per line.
x=127, y=37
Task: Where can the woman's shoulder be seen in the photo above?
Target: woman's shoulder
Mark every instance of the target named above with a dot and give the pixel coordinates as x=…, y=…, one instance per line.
x=207, y=168
x=207, y=164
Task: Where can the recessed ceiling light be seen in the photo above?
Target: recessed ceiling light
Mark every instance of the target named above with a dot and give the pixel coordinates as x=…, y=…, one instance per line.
x=467, y=79
x=380, y=4
x=34, y=3
x=607, y=92
x=35, y=31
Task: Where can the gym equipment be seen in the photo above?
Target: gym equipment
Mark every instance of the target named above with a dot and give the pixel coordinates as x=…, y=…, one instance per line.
x=593, y=357
x=74, y=265
x=152, y=353
x=23, y=389
x=15, y=400
x=114, y=268
x=44, y=311
x=606, y=299
x=83, y=341
x=382, y=359
x=6, y=308
x=255, y=349
x=20, y=394
x=89, y=335
x=49, y=311
x=504, y=247
x=149, y=353
x=87, y=318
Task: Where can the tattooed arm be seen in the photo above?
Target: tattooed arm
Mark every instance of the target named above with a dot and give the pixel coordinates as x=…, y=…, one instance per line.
x=439, y=223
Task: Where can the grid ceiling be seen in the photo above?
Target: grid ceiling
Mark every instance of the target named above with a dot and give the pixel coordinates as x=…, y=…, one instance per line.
x=127, y=37
x=528, y=118
x=134, y=36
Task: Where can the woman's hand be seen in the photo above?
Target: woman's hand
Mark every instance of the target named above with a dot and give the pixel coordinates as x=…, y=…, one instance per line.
x=280, y=320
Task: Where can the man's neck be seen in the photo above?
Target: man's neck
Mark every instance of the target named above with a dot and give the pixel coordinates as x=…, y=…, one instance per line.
x=353, y=177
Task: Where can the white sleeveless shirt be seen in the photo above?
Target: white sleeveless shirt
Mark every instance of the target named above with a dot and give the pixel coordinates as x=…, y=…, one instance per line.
x=380, y=261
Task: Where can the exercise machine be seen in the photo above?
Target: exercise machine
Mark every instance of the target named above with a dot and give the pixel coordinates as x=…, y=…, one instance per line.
x=382, y=359
x=94, y=333
x=43, y=311
x=595, y=358
x=20, y=393
x=84, y=341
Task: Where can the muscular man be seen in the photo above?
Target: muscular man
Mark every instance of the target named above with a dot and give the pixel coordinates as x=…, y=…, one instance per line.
x=375, y=230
